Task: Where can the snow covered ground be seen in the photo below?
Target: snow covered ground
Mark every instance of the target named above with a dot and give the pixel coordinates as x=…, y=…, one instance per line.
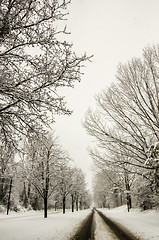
x=26, y=226
x=144, y=224
x=31, y=225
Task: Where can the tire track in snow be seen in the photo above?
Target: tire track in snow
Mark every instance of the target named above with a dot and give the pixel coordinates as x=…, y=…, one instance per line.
x=120, y=231
x=101, y=229
x=97, y=226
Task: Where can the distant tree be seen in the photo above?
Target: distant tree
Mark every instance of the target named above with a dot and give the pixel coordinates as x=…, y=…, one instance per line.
x=101, y=191
x=108, y=188
x=117, y=171
x=143, y=196
x=78, y=188
x=66, y=183
x=85, y=201
x=72, y=184
x=7, y=172
x=25, y=193
x=35, y=63
x=153, y=160
x=41, y=165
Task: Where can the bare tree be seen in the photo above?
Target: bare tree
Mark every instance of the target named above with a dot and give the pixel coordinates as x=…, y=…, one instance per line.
x=7, y=172
x=78, y=189
x=108, y=187
x=66, y=183
x=41, y=165
x=125, y=124
x=34, y=64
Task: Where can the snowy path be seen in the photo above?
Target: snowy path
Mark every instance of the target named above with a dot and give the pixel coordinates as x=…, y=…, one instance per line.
x=62, y=227
x=102, y=231
x=98, y=227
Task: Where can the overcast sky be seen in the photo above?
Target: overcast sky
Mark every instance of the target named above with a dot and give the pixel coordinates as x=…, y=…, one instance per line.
x=113, y=31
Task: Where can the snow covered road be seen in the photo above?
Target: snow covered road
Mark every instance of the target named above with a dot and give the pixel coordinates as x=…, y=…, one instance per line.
x=102, y=231
x=63, y=227
x=98, y=227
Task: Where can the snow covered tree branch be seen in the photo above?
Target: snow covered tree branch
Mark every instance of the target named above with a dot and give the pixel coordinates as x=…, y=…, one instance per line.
x=35, y=63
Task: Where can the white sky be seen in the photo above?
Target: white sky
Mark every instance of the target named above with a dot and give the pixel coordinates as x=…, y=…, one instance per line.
x=114, y=31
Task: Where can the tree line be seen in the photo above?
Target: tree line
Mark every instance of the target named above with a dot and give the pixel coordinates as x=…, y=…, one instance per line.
x=42, y=177
x=126, y=129
x=36, y=61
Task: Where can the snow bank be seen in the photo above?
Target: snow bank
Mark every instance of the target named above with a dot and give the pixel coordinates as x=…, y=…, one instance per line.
x=144, y=224
x=57, y=226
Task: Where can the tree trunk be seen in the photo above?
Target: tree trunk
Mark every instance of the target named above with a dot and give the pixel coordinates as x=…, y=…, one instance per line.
x=29, y=190
x=76, y=203
x=116, y=200
x=3, y=188
x=45, y=207
x=64, y=204
x=80, y=204
x=121, y=199
x=72, y=196
x=10, y=189
x=24, y=196
x=55, y=206
x=47, y=188
x=129, y=202
x=127, y=199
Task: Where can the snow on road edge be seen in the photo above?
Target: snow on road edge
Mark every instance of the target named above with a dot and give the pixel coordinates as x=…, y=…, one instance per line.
x=144, y=224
